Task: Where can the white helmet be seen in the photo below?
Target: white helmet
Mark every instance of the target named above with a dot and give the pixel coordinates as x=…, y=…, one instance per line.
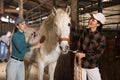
x=100, y=17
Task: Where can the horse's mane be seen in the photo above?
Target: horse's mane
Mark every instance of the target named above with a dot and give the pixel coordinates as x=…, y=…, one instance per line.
x=47, y=30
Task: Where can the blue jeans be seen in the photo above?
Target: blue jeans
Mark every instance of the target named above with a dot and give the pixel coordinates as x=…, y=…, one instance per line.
x=15, y=70
x=3, y=51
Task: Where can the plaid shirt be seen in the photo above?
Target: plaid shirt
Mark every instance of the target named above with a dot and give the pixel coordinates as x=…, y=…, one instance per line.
x=93, y=45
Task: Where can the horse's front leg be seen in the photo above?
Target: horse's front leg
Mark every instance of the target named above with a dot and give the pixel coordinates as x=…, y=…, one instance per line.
x=52, y=67
x=27, y=70
x=41, y=67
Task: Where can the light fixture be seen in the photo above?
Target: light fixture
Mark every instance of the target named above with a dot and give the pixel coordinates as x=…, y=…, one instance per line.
x=17, y=8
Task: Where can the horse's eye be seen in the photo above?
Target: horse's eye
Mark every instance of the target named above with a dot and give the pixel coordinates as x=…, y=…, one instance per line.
x=69, y=24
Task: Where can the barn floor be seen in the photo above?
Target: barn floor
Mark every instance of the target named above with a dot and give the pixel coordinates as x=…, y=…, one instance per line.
x=33, y=75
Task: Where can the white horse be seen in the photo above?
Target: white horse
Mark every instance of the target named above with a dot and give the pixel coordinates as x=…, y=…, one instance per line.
x=56, y=29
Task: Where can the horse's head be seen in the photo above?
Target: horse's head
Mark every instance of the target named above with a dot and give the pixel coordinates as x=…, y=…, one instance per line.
x=62, y=27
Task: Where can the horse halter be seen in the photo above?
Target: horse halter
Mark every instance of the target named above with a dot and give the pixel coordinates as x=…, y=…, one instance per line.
x=64, y=39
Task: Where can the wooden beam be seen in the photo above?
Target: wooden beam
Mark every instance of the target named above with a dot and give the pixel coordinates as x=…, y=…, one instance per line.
x=95, y=7
x=25, y=1
x=11, y=11
x=36, y=1
x=1, y=7
x=54, y=3
x=37, y=6
x=74, y=17
x=21, y=8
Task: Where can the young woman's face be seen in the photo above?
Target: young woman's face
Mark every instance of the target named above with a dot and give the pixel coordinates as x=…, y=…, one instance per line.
x=93, y=23
x=22, y=26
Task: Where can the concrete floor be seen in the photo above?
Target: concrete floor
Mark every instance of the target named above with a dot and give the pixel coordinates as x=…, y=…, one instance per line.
x=33, y=74
x=2, y=71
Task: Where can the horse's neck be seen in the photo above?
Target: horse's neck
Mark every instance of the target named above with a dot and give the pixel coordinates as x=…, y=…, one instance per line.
x=47, y=29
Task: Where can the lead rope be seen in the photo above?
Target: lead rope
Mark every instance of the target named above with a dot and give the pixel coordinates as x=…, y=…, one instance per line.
x=75, y=69
x=79, y=69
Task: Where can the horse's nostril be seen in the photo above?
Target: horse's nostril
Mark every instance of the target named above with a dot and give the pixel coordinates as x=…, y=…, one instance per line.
x=60, y=47
x=67, y=47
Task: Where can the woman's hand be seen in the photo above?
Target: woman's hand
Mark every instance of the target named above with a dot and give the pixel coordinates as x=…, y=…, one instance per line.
x=79, y=54
x=38, y=45
x=33, y=35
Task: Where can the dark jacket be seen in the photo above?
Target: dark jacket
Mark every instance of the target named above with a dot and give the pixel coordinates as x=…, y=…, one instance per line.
x=93, y=45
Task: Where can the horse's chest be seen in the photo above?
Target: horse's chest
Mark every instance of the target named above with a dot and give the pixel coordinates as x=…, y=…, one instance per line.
x=51, y=58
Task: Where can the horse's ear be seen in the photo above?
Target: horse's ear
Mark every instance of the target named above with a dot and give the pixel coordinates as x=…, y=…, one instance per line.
x=68, y=10
x=54, y=11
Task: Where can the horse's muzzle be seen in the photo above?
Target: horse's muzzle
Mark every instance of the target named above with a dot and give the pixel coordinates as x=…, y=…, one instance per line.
x=64, y=49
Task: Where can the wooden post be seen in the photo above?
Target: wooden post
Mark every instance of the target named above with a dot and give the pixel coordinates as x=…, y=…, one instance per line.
x=21, y=8
x=74, y=41
x=0, y=27
x=74, y=21
x=74, y=10
x=1, y=6
x=100, y=6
